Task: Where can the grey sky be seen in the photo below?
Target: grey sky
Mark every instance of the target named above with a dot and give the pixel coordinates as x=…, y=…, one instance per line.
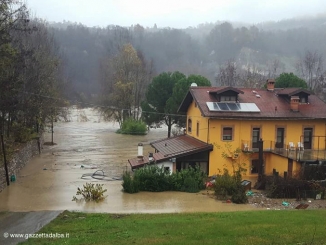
x=173, y=13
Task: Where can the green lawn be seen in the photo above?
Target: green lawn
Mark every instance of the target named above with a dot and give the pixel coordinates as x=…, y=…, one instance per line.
x=253, y=227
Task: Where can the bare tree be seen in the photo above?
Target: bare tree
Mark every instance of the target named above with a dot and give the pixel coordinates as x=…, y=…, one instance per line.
x=252, y=76
x=273, y=68
x=228, y=75
x=311, y=68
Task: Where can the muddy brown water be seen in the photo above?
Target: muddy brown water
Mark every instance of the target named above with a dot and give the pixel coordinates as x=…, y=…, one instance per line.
x=49, y=181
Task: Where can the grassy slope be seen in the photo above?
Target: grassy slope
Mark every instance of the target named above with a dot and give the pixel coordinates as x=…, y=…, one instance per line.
x=255, y=227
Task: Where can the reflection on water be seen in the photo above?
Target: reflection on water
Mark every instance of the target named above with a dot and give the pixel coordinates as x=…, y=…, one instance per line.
x=49, y=181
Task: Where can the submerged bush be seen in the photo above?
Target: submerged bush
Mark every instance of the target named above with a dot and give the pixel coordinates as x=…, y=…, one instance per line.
x=153, y=178
x=134, y=127
x=190, y=185
x=90, y=192
x=181, y=180
x=130, y=184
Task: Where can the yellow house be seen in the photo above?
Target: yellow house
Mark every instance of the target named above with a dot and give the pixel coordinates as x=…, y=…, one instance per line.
x=261, y=130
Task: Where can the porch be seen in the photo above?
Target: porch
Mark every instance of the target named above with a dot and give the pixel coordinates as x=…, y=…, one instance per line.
x=293, y=151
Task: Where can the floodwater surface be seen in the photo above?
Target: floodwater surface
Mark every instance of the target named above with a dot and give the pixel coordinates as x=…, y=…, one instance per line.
x=49, y=181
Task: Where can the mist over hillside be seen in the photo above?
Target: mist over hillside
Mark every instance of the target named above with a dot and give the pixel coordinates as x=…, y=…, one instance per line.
x=267, y=49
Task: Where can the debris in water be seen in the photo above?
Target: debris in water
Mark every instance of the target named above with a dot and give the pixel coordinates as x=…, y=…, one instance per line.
x=302, y=206
x=99, y=175
x=286, y=204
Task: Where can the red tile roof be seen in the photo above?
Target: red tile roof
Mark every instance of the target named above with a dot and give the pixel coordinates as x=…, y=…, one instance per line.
x=178, y=146
x=223, y=89
x=291, y=91
x=270, y=104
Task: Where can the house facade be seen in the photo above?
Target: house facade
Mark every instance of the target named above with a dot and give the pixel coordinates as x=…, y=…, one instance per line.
x=175, y=153
x=261, y=130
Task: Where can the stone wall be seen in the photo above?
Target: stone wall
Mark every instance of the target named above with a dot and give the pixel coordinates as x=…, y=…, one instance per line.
x=19, y=160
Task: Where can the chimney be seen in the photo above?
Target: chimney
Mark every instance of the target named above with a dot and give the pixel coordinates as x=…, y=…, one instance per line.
x=140, y=155
x=270, y=84
x=150, y=157
x=294, y=103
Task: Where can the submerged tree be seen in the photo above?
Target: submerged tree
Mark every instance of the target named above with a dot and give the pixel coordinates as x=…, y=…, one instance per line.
x=123, y=87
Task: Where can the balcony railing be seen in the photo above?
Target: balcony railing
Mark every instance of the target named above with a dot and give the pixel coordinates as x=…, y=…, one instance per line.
x=291, y=150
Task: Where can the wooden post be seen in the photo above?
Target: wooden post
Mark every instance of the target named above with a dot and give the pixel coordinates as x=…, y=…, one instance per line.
x=5, y=160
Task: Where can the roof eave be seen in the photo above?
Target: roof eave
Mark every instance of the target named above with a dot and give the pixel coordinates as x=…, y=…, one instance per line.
x=265, y=118
x=185, y=103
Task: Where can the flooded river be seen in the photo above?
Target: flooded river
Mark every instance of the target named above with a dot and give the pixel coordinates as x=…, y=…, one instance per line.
x=49, y=181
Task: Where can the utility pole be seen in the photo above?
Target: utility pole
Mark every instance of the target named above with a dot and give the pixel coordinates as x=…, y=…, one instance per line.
x=52, y=130
x=5, y=160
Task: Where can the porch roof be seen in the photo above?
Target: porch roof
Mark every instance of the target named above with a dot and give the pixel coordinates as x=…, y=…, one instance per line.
x=174, y=147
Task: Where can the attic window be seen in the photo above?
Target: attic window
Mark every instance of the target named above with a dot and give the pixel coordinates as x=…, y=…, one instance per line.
x=228, y=98
x=303, y=100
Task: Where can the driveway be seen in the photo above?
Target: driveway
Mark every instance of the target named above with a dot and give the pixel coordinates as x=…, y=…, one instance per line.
x=22, y=223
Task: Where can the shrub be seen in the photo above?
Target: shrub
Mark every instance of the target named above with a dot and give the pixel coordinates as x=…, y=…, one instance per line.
x=227, y=186
x=90, y=192
x=190, y=185
x=129, y=184
x=134, y=127
x=278, y=187
x=153, y=178
x=182, y=179
x=239, y=196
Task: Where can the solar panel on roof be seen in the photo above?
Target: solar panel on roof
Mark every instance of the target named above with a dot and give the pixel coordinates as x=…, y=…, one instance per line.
x=232, y=107
x=216, y=106
x=223, y=106
x=252, y=107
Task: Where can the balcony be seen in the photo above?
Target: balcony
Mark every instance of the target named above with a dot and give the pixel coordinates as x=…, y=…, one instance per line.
x=291, y=150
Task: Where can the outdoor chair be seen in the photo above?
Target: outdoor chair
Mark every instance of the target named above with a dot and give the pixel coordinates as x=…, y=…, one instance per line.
x=291, y=146
x=245, y=147
x=300, y=146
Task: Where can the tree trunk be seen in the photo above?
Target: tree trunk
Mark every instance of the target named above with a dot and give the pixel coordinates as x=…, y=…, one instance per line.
x=169, y=126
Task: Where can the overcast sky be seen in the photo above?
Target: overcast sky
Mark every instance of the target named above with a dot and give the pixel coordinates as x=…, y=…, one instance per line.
x=173, y=13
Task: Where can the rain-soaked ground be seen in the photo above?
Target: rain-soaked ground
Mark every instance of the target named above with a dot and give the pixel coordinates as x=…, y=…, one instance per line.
x=49, y=181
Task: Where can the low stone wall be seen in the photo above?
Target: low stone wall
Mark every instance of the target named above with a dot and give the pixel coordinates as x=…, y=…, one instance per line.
x=19, y=160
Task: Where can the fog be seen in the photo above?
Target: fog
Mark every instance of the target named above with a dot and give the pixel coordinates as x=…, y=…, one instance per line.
x=171, y=13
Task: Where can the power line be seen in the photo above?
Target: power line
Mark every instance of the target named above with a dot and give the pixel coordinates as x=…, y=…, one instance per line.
x=99, y=106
